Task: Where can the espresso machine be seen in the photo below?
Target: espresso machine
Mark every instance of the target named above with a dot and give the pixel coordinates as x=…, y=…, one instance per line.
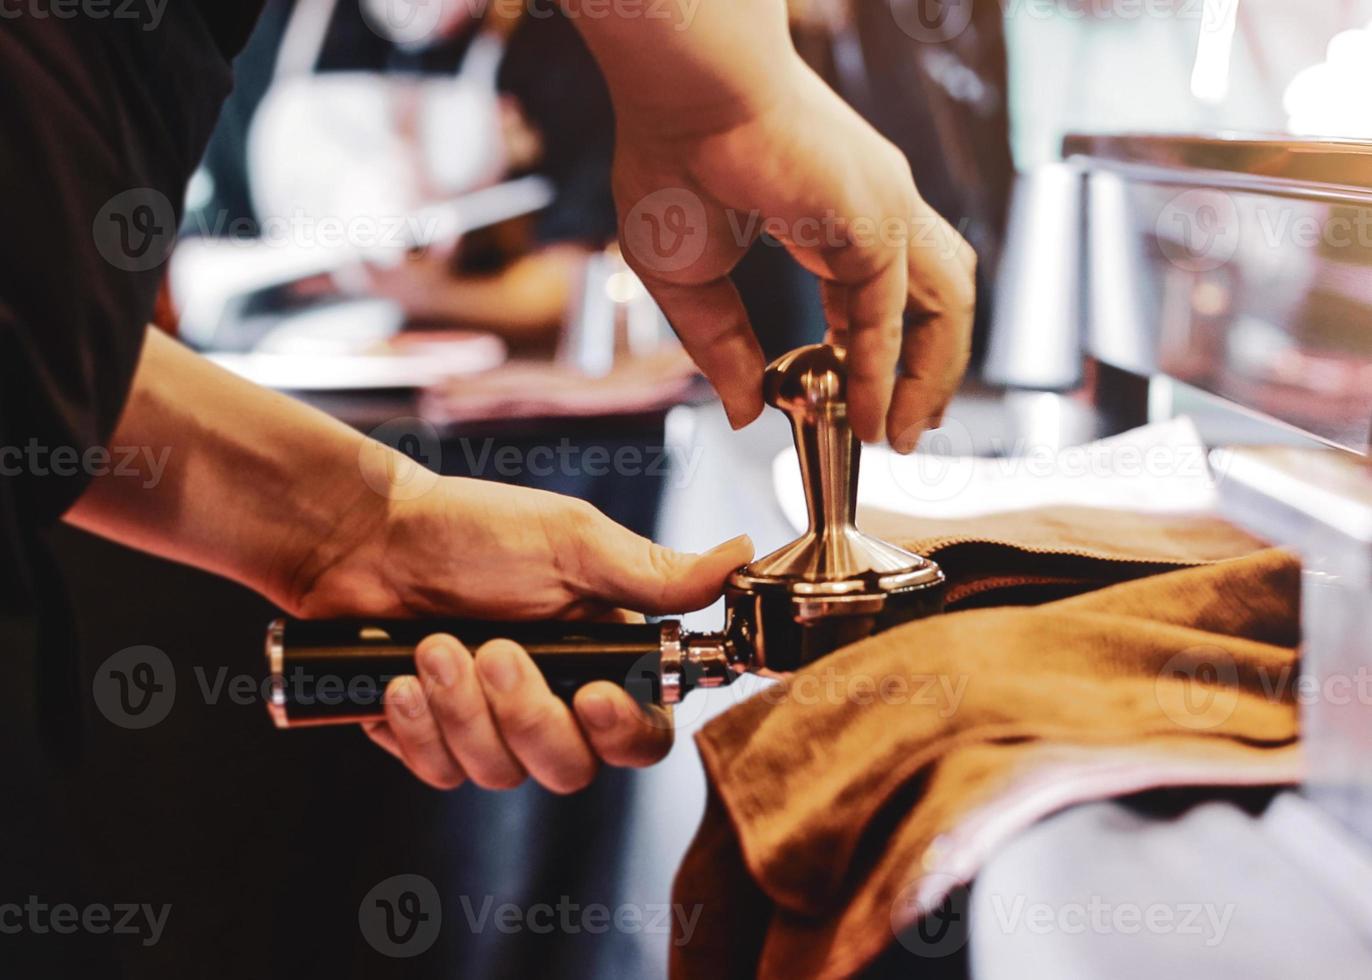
x=832, y=586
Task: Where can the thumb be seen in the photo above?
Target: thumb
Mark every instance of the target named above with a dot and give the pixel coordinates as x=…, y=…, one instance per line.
x=626, y=569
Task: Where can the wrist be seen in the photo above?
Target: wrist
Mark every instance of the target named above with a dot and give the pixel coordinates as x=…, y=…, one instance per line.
x=693, y=112
x=334, y=562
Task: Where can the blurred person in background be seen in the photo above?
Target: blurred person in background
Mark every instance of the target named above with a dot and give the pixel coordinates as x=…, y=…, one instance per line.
x=352, y=121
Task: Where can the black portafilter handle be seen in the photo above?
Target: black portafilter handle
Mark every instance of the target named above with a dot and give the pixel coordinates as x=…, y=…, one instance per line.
x=331, y=672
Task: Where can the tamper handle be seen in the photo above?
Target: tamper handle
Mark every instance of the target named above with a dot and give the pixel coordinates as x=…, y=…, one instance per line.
x=810, y=385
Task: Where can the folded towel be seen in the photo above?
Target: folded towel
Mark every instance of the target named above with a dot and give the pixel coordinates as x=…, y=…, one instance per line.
x=849, y=798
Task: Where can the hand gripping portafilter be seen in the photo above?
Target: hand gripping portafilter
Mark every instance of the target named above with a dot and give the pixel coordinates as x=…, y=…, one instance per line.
x=831, y=586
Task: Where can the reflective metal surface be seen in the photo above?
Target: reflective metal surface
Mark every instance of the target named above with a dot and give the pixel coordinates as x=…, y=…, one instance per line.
x=1326, y=167
x=809, y=385
x=1035, y=339
x=1242, y=267
x=833, y=585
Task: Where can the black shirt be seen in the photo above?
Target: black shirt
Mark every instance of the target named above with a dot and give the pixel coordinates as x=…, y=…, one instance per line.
x=102, y=124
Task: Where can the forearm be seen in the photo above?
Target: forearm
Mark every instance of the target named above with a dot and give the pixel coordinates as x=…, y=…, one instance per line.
x=238, y=480
x=702, y=66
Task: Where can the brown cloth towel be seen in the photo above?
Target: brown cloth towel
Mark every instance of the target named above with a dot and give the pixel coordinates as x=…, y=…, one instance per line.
x=831, y=793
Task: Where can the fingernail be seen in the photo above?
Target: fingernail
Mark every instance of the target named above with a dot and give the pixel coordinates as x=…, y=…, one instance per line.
x=731, y=544
x=741, y=415
x=904, y=445
x=598, y=711
x=408, y=697
x=500, y=670
x=436, y=661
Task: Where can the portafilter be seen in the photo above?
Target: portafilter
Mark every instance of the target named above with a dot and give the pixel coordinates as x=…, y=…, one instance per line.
x=830, y=587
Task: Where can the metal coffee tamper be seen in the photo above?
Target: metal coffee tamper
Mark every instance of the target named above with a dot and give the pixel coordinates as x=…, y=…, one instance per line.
x=830, y=587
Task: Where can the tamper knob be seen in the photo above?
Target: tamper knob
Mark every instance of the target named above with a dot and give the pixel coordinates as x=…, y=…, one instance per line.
x=808, y=382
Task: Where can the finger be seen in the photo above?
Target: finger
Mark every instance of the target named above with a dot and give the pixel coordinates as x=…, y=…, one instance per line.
x=937, y=347
x=457, y=701
x=714, y=329
x=620, y=731
x=876, y=315
x=380, y=733
x=834, y=298
x=620, y=615
x=417, y=735
x=538, y=728
x=616, y=565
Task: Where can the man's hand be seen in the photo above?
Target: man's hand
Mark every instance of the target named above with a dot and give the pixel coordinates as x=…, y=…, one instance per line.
x=267, y=491
x=723, y=132
x=468, y=548
x=812, y=174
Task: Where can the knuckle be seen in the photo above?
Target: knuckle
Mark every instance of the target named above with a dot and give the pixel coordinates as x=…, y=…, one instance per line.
x=460, y=710
x=526, y=718
x=581, y=517
x=664, y=562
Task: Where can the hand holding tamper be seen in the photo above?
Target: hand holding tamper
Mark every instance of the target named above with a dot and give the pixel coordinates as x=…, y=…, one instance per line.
x=830, y=587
